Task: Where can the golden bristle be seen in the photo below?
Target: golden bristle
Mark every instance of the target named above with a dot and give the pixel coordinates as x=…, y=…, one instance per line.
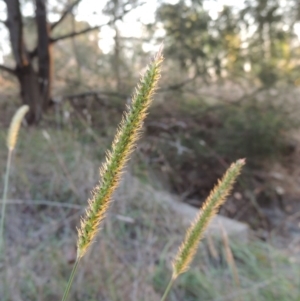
x=15, y=126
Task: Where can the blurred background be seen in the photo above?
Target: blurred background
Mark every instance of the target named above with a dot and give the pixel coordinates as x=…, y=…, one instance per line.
x=230, y=89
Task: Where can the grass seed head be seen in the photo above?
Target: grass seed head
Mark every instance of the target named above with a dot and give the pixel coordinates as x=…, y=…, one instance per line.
x=127, y=135
x=209, y=209
x=15, y=126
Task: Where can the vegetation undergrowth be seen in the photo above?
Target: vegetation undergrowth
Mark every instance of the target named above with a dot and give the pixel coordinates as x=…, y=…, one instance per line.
x=132, y=248
x=110, y=177
x=192, y=137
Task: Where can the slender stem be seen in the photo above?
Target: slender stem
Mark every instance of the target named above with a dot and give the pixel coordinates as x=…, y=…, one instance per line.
x=168, y=289
x=66, y=293
x=4, y=198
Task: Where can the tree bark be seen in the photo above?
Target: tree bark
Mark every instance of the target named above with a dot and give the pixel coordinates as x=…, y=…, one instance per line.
x=44, y=53
x=117, y=62
x=30, y=93
x=24, y=71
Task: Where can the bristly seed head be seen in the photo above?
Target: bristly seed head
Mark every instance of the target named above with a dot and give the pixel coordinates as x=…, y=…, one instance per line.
x=195, y=232
x=123, y=144
x=15, y=126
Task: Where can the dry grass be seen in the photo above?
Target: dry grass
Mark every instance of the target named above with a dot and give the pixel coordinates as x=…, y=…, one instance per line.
x=131, y=258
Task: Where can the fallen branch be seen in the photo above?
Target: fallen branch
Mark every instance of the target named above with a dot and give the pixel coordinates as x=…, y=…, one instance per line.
x=7, y=69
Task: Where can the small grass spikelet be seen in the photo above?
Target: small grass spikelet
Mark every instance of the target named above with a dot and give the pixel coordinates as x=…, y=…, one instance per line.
x=15, y=126
x=11, y=143
x=123, y=145
x=209, y=209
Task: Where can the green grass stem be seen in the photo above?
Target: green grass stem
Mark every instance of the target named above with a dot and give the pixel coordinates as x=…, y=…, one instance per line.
x=4, y=198
x=168, y=288
x=12, y=138
x=69, y=284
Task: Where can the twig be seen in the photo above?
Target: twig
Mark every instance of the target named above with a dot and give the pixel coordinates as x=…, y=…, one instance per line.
x=7, y=69
x=96, y=93
x=88, y=29
x=75, y=33
x=64, y=14
x=123, y=218
x=44, y=202
x=3, y=22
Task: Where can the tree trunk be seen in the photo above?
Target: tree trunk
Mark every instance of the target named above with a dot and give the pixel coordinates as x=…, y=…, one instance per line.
x=34, y=86
x=44, y=53
x=117, y=62
x=30, y=92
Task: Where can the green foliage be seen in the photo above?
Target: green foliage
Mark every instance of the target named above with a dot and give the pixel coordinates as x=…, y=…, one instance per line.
x=188, y=39
x=197, y=138
x=259, y=33
x=254, y=130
